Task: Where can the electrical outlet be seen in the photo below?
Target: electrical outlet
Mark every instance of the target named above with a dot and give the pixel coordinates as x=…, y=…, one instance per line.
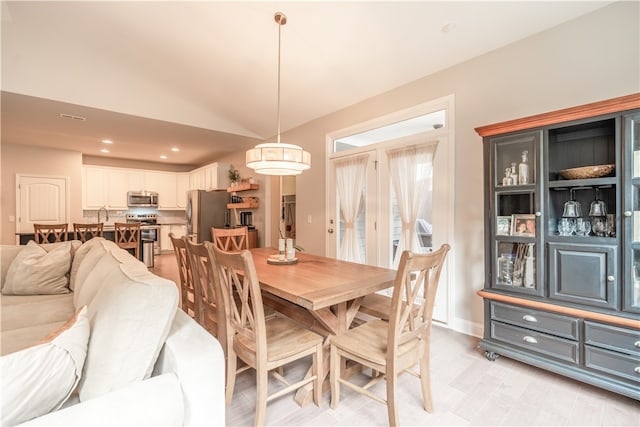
x=308, y=219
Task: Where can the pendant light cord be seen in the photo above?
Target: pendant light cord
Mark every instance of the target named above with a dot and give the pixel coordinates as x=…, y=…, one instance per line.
x=280, y=24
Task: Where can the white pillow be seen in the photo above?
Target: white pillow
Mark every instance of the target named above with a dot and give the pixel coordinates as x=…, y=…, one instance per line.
x=39, y=379
x=79, y=259
x=130, y=319
x=34, y=271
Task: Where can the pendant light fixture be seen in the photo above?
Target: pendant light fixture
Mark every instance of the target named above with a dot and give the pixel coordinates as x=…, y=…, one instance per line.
x=277, y=158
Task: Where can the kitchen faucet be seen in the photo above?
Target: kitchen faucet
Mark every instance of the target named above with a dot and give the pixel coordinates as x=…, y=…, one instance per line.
x=106, y=212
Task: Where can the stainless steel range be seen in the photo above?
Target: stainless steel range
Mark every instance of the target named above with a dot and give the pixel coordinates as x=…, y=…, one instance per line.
x=149, y=228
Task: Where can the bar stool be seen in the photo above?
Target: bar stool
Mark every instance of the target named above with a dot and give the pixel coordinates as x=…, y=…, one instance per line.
x=42, y=232
x=127, y=236
x=84, y=232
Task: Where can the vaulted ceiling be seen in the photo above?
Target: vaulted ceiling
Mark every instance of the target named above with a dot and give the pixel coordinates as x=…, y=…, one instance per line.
x=202, y=76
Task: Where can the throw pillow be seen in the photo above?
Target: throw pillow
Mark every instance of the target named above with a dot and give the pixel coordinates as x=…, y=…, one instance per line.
x=39, y=379
x=34, y=271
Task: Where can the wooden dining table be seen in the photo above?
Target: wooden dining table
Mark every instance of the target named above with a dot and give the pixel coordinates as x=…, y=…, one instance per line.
x=322, y=293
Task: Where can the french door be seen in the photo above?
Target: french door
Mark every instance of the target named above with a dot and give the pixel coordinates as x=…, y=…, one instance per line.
x=378, y=223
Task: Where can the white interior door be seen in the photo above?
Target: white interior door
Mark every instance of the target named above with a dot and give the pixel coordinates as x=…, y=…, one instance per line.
x=41, y=199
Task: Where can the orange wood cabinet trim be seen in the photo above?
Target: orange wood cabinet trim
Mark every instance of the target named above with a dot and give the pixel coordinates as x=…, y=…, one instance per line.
x=613, y=105
x=589, y=315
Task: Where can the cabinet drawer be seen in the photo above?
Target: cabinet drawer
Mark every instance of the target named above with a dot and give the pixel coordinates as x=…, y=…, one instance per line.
x=538, y=342
x=612, y=363
x=612, y=337
x=542, y=321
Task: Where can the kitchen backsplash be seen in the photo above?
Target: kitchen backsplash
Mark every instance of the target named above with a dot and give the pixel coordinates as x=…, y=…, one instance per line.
x=164, y=217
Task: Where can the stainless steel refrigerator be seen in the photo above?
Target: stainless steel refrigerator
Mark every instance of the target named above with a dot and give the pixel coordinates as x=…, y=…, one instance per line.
x=206, y=209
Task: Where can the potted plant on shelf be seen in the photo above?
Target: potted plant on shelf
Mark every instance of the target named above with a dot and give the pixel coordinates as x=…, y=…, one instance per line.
x=234, y=176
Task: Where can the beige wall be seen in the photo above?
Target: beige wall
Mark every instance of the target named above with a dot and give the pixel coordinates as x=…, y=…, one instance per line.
x=592, y=58
x=40, y=161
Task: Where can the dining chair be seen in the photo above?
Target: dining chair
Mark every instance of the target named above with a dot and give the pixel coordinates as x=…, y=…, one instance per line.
x=42, y=232
x=230, y=239
x=390, y=348
x=84, y=232
x=204, y=291
x=187, y=292
x=127, y=236
x=262, y=345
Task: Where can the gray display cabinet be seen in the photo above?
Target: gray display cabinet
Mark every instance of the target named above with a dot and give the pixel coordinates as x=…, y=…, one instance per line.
x=561, y=293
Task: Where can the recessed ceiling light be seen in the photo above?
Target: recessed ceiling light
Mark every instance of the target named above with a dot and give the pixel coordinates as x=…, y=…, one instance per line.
x=107, y=141
x=104, y=150
x=175, y=149
x=163, y=157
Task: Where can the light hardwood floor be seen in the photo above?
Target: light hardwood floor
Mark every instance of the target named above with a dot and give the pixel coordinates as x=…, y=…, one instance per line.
x=467, y=390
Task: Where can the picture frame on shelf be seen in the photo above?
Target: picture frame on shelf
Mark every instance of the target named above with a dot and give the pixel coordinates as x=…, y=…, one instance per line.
x=503, y=225
x=523, y=225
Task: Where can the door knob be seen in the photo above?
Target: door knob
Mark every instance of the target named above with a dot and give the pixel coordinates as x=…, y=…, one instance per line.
x=330, y=231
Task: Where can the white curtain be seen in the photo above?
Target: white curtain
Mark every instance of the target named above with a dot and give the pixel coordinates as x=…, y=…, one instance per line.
x=350, y=174
x=410, y=169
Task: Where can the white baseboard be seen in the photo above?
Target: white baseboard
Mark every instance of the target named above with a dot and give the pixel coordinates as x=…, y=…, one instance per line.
x=467, y=327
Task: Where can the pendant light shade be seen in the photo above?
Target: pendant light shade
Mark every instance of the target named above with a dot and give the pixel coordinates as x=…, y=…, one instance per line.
x=276, y=158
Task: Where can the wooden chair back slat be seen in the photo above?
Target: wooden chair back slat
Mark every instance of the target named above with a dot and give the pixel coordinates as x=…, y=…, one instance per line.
x=84, y=232
x=188, y=300
x=201, y=265
x=230, y=239
x=50, y=233
x=127, y=236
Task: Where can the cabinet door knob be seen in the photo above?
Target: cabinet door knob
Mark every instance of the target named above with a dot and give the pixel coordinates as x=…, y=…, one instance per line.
x=637, y=344
x=530, y=340
x=529, y=318
x=610, y=278
x=627, y=214
x=538, y=213
x=637, y=369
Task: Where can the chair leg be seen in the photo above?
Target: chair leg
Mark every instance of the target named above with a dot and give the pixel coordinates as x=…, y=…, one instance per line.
x=392, y=412
x=232, y=366
x=318, y=369
x=262, y=378
x=334, y=375
x=425, y=380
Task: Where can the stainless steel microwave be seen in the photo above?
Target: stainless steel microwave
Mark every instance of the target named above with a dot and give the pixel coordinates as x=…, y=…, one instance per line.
x=148, y=199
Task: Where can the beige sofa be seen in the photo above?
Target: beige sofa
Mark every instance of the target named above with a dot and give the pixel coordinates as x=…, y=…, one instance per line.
x=127, y=357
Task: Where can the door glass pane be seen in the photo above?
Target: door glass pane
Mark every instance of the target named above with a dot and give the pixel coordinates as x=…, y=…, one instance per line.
x=423, y=226
x=516, y=264
x=360, y=226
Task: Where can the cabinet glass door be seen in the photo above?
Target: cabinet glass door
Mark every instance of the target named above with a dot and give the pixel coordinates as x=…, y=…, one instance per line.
x=632, y=212
x=516, y=214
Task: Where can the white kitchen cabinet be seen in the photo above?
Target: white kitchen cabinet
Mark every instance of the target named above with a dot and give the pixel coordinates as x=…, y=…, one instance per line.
x=214, y=176
x=121, y=181
x=165, y=241
x=94, y=187
x=182, y=186
x=178, y=231
x=165, y=184
x=108, y=186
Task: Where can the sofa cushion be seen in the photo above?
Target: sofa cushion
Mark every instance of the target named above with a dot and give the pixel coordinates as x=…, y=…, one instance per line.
x=7, y=255
x=130, y=319
x=105, y=271
x=19, y=311
x=39, y=379
x=155, y=402
x=84, y=260
x=34, y=271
